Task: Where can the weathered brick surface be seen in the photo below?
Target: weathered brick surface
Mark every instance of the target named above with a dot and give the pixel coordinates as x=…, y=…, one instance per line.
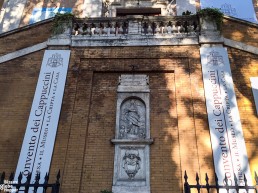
x=18, y=79
x=200, y=121
x=24, y=38
x=241, y=32
x=172, y=115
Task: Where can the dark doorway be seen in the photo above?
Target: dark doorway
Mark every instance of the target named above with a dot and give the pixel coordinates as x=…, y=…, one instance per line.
x=147, y=11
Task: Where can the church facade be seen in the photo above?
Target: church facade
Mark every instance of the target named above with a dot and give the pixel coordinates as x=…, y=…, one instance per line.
x=129, y=103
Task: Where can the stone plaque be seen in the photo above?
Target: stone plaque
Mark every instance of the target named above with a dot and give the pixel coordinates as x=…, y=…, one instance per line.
x=133, y=80
x=133, y=83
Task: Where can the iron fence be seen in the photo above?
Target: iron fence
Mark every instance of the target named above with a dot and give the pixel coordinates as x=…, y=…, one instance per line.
x=9, y=185
x=217, y=187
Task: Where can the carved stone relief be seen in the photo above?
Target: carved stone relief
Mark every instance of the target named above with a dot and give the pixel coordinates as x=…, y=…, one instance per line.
x=131, y=162
x=132, y=137
x=132, y=120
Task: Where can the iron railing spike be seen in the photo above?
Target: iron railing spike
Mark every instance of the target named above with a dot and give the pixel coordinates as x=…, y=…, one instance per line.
x=226, y=180
x=2, y=178
x=27, y=183
x=46, y=178
x=57, y=185
x=186, y=185
x=37, y=177
x=245, y=180
x=11, y=177
x=216, y=182
x=32, y=186
x=185, y=176
x=207, y=183
x=197, y=177
x=256, y=178
x=206, y=179
x=217, y=188
x=20, y=178
x=58, y=176
x=216, y=179
x=29, y=176
x=235, y=179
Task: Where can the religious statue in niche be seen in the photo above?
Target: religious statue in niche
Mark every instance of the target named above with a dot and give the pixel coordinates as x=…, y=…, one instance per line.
x=131, y=162
x=132, y=120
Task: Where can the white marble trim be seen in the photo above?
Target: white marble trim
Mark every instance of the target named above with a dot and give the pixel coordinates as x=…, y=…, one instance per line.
x=240, y=46
x=23, y=52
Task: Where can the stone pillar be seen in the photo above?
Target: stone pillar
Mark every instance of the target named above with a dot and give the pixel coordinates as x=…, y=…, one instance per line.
x=63, y=39
x=209, y=32
x=132, y=136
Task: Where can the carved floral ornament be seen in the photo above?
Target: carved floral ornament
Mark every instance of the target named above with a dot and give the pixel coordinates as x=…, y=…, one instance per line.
x=132, y=120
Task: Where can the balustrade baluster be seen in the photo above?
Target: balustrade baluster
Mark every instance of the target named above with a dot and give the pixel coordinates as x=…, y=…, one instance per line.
x=149, y=26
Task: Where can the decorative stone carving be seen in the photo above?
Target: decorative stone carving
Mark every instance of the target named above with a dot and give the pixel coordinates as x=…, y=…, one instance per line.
x=132, y=120
x=131, y=162
x=106, y=8
x=132, y=141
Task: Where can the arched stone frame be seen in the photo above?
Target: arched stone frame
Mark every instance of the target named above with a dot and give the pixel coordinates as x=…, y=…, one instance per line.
x=132, y=119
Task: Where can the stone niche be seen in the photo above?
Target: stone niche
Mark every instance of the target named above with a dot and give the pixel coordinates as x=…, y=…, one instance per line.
x=132, y=136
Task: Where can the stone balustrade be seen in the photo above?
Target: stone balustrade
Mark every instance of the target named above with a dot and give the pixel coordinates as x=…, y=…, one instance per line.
x=136, y=25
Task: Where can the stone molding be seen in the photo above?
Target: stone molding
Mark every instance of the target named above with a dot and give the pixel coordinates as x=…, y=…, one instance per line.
x=240, y=46
x=43, y=45
x=137, y=40
x=124, y=141
x=23, y=52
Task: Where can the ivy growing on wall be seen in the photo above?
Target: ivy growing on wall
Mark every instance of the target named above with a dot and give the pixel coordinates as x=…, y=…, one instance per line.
x=61, y=22
x=212, y=14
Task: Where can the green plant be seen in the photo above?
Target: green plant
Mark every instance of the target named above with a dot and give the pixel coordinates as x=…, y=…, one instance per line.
x=61, y=22
x=105, y=191
x=213, y=14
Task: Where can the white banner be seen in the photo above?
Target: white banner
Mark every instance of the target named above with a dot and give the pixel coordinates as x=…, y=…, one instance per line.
x=242, y=9
x=227, y=139
x=39, y=139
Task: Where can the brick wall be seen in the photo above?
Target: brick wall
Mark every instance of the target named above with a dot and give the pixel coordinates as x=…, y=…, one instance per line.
x=240, y=31
x=25, y=37
x=178, y=117
x=18, y=79
x=83, y=151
